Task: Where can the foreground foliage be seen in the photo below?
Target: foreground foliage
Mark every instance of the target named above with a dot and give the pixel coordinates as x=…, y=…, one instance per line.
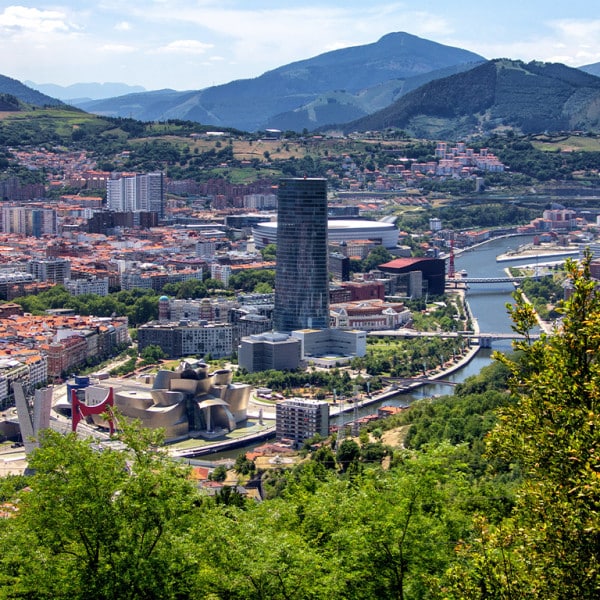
x=451, y=516
x=548, y=547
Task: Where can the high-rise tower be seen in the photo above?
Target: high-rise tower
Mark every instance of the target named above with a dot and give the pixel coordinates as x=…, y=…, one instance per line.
x=301, y=276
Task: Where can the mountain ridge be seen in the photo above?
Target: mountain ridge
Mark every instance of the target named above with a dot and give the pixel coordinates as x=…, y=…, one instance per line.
x=83, y=92
x=19, y=90
x=250, y=104
x=528, y=97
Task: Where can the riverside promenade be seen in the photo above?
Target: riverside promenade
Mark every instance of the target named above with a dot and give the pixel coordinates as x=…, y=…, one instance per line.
x=261, y=421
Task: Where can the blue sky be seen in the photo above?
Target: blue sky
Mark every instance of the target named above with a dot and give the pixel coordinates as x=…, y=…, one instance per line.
x=192, y=44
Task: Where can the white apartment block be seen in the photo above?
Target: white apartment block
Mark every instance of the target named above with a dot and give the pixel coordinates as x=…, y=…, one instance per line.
x=134, y=193
x=78, y=287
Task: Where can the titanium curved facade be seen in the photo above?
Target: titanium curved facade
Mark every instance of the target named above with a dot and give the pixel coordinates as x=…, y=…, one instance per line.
x=301, y=275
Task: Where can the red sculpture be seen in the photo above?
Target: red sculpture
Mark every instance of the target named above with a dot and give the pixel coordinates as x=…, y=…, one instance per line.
x=79, y=410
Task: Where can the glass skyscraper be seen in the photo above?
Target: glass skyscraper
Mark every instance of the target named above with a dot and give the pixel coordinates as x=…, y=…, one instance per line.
x=301, y=276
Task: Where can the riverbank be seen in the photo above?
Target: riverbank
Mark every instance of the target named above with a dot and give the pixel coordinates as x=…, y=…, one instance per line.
x=206, y=448
x=537, y=252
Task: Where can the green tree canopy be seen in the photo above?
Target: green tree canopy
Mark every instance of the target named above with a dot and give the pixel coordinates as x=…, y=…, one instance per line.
x=98, y=524
x=548, y=547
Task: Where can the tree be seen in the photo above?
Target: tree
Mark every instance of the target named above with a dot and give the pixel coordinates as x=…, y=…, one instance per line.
x=548, y=547
x=243, y=465
x=98, y=524
x=219, y=474
x=268, y=253
x=348, y=452
x=152, y=354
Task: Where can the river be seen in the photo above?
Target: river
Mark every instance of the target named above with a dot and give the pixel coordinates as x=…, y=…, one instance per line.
x=488, y=305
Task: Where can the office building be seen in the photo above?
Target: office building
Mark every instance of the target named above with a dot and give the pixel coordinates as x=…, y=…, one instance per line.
x=299, y=419
x=301, y=276
x=265, y=351
x=432, y=271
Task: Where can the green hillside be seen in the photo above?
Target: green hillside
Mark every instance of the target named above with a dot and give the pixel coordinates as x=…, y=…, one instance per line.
x=498, y=94
x=25, y=94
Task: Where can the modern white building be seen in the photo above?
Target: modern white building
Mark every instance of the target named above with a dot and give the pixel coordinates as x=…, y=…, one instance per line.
x=95, y=285
x=54, y=270
x=338, y=230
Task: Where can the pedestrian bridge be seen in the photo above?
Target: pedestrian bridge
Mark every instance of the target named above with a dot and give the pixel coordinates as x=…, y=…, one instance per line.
x=491, y=280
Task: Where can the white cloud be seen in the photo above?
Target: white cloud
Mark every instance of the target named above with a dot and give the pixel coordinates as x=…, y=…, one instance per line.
x=572, y=42
x=117, y=48
x=123, y=26
x=21, y=18
x=184, y=47
x=266, y=38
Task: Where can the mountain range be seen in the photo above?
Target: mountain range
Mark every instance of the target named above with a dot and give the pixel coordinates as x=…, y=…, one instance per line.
x=353, y=81
x=400, y=81
x=84, y=92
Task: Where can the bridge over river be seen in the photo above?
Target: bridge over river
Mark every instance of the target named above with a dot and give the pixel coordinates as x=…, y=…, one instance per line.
x=459, y=281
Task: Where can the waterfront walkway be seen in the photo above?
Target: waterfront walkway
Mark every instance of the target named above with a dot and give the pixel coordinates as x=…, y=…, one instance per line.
x=255, y=433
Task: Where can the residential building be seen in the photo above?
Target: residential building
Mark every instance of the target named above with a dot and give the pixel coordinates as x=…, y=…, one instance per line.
x=136, y=193
x=188, y=338
x=299, y=419
x=53, y=271
x=94, y=285
x=28, y=221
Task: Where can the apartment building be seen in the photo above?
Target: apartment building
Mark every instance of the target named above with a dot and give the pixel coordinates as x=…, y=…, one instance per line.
x=94, y=285
x=299, y=419
x=188, y=338
x=135, y=192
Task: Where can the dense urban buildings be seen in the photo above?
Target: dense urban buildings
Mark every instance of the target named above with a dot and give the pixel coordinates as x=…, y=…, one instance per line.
x=301, y=276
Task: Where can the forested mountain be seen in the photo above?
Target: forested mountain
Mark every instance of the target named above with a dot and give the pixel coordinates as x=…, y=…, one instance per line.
x=528, y=97
x=253, y=104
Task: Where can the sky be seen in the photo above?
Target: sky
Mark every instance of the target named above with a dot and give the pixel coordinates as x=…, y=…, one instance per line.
x=193, y=44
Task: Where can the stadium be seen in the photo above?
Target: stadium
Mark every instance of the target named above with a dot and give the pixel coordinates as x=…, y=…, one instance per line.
x=338, y=230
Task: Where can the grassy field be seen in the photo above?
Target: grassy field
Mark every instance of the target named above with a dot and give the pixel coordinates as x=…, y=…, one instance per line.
x=567, y=143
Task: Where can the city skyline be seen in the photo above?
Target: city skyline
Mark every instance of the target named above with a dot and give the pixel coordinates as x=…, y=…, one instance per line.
x=184, y=46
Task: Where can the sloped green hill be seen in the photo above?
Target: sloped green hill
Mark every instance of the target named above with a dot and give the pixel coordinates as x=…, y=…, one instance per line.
x=26, y=94
x=529, y=98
